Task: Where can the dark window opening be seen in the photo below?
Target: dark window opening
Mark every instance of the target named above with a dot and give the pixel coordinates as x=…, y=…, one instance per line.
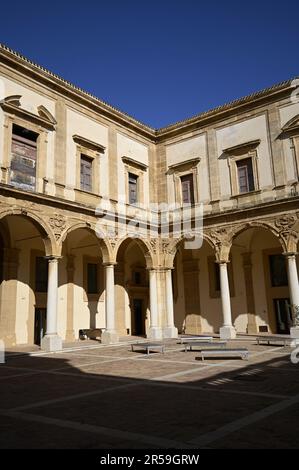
x=137, y=277
x=133, y=180
x=41, y=274
x=92, y=278
x=187, y=189
x=245, y=175
x=23, y=158
x=86, y=173
x=278, y=271
x=217, y=277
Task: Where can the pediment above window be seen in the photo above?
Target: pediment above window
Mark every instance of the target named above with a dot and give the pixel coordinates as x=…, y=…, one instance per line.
x=134, y=163
x=292, y=125
x=243, y=148
x=88, y=144
x=183, y=166
x=12, y=105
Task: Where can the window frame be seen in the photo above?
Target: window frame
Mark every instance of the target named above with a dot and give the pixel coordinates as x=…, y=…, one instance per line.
x=233, y=169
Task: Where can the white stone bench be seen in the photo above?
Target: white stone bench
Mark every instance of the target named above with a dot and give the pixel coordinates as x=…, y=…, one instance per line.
x=273, y=339
x=240, y=352
x=148, y=347
x=200, y=345
x=187, y=339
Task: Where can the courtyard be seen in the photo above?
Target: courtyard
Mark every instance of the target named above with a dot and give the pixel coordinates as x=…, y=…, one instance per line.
x=94, y=396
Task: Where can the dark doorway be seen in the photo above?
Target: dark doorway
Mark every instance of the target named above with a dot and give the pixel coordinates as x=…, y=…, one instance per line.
x=283, y=315
x=138, y=320
x=39, y=325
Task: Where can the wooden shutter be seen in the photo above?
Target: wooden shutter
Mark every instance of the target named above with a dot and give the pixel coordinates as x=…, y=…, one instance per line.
x=187, y=189
x=23, y=163
x=245, y=175
x=132, y=188
x=86, y=173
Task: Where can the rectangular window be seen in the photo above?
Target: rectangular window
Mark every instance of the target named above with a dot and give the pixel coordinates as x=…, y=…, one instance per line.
x=133, y=180
x=278, y=271
x=245, y=175
x=41, y=274
x=92, y=278
x=187, y=189
x=217, y=277
x=86, y=173
x=23, y=158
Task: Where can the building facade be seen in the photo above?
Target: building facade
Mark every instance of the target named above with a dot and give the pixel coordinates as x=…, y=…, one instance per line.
x=100, y=215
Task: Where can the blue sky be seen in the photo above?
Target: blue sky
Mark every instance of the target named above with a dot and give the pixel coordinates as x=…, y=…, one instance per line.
x=159, y=61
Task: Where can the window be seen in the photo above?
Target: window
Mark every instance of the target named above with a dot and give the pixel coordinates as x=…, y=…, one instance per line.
x=278, y=272
x=187, y=189
x=41, y=274
x=217, y=277
x=86, y=173
x=23, y=158
x=92, y=278
x=245, y=175
x=133, y=179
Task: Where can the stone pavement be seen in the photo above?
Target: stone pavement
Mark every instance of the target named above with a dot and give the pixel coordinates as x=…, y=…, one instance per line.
x=96, y=396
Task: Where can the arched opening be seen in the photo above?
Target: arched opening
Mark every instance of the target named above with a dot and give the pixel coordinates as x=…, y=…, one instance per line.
x=196, y=290
x=24, y=277
x=132, y=288
x=82, y=284
x=262, y=298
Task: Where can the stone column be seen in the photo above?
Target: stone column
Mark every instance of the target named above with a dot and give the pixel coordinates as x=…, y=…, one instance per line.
x=154, y=331
x=170, y=331
x=70, y=269
x=294, y=294
x=51, y=341
x=109, y=335
x=252, y=327
x=227, y=331
x=8, y=296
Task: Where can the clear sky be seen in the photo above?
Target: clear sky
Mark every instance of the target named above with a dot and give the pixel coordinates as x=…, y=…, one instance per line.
x=159, y=61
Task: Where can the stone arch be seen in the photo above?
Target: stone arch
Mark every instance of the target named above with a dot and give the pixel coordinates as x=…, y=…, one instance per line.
x=262, y=225
x=104, y=243
x=144, y=245
x=51, y=247
x=174, y=244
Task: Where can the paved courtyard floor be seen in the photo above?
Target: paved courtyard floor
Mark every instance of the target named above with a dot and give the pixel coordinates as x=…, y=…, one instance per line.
x=96, y=396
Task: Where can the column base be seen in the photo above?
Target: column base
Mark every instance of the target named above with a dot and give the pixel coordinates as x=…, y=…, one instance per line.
x=109, y=337
x=154, y=333
x=70, y=336
x=294, y=336
x=9, y=340
x=170, y=332
x=227, y=332
x=51, y=343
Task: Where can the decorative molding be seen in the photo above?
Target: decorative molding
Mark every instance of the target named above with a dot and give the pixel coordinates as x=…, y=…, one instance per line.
x=191, y=163
x=16, y=110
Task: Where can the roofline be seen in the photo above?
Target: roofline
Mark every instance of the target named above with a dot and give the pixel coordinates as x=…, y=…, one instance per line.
x=129, y=121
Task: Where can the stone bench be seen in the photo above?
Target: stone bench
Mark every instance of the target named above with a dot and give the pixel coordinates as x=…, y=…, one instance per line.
x=240, y=352
x=200, y=345
x=187, y=339
x=273, y=339
x=148, y=347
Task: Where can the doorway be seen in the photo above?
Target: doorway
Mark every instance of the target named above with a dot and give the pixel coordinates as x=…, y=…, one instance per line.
x=138, y=318
x=283, y=315
x=40, y=323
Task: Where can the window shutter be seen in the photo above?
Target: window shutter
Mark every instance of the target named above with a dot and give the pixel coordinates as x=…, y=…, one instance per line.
x=187, y=189
x=86, y=173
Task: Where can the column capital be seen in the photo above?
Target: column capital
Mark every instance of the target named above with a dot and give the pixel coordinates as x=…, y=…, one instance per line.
x=52, y=258
x=109, y=264
x=290, y=254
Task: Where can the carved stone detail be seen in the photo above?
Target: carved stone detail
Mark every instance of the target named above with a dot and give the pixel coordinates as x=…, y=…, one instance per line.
x=58, y=224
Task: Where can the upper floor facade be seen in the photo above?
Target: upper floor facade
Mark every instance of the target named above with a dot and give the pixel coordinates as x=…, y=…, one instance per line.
x=57, y=141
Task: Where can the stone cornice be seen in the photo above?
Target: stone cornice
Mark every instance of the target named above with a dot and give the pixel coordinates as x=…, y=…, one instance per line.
x=132, y=162
x=88, y=143
x=245, y=145
x=18, y=62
